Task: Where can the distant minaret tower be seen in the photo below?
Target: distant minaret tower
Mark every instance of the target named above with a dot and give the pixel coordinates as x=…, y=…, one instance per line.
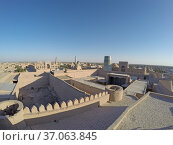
x=56, y=60
x=75, y=60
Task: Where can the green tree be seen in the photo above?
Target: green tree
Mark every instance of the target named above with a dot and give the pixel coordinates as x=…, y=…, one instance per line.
x=20, y=69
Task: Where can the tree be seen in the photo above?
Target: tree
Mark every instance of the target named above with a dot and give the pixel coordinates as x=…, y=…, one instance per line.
x=20, y=69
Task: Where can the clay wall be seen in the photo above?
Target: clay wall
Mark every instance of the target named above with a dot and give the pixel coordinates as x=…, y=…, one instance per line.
x=86, y=88
x=50, y=112
x=64, y=90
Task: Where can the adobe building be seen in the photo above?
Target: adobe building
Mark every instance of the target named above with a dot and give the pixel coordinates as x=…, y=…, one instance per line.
x=47, y=65
x=117, y=79
x=123, y=66
x=139, y=72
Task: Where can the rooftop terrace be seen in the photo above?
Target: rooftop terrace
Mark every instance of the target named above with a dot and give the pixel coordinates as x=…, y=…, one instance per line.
x=86, y=80
x=153, y=111
x=137, y=87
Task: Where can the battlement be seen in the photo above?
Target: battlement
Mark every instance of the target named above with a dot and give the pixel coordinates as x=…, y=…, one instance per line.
x=41, y=111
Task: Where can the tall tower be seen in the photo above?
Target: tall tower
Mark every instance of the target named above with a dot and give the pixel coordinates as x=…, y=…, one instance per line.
x=56, y=61
x=107, y=60
x=107, y=63
x=75, y=60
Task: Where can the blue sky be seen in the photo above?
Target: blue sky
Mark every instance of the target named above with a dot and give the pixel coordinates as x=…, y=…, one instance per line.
x=138, y=31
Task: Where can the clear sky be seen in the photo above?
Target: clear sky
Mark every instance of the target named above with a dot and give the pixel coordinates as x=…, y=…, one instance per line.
x=138, y=31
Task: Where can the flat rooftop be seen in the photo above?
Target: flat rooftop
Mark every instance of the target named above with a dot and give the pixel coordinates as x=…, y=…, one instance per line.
x=86, y=80
x=137, y=87
x=154, y=112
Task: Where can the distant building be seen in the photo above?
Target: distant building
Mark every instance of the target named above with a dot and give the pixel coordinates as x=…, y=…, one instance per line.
x=131, y=70
x=47, y=65
x=123, y=66
x=75, y=60
x=56, y=61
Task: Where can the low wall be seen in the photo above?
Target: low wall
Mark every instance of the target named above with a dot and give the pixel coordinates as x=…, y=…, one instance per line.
x=86, y=88
x=103, y=73
x=27, y=80
x=162, y=95
x=167, y=84
x=52, y=112
x=63, y=90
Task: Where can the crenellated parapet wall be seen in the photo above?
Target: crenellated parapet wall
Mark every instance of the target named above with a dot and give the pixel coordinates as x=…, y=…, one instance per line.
x=42, y=111
x=49, y=113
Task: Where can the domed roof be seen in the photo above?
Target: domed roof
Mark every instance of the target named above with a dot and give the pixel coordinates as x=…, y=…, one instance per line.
x=115, y=65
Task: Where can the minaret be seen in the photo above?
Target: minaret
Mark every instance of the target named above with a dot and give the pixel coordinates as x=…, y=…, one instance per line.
x=56, y=61
x=75, y=60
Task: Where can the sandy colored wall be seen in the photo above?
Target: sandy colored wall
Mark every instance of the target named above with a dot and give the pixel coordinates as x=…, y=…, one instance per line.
x=59, y=115
x=63, y=90
x=30, y=79
x=38, y=79
x=167, y=84
x=35, y=115
x=86, y=88
x=103, y=73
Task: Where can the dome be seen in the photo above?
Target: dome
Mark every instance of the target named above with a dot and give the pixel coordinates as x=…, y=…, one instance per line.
x=114, y=65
